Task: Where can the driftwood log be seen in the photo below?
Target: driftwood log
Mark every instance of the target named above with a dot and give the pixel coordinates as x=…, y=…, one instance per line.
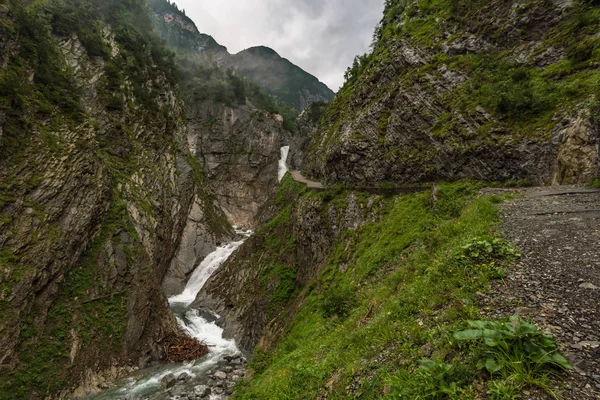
x=183, y=348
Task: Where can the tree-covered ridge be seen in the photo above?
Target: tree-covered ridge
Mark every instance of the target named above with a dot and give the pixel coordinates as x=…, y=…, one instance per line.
x=286, y=82
x=202, y=79
x=280, y=77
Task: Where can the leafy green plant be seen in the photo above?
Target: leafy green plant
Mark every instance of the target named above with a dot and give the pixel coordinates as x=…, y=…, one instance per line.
x=440, y=375
x=502, y=390
x=434, y=381
x=484, y=249
x=490, y=255
x=515, y=350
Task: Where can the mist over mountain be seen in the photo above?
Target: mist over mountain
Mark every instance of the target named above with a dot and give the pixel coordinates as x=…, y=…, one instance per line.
x=287, y=82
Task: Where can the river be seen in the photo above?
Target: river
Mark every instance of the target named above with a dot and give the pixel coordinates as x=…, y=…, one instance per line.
x=146, y=384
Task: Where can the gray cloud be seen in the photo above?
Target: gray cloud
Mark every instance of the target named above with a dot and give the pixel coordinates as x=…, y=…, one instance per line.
x=321, y=36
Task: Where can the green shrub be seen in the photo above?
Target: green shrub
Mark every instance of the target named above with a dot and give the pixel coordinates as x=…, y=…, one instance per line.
x=489, y=256
x=515, y=350
x=338, y=302
x=435, y=381
x=502, y=390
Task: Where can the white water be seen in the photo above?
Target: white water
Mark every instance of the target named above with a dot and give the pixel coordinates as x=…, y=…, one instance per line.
x=193, y=325
x=211, y=263
x=283, y=168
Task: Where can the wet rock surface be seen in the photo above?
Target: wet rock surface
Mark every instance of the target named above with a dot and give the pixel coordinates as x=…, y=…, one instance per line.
x=217, y=383
x=240, y=150
x=556, y=282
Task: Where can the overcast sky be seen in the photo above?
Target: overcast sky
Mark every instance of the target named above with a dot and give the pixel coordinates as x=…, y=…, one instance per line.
x=320, y=36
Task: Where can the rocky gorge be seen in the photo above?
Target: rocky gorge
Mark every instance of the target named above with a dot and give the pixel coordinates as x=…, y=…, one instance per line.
x=144, y=198
x=106, y=198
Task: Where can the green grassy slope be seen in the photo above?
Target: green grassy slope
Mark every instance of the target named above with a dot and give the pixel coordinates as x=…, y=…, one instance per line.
x=392, y=293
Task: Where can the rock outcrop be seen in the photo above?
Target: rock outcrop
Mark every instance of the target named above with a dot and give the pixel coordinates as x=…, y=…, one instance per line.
x=307, y=125
x=239, y=148
x=486, y=91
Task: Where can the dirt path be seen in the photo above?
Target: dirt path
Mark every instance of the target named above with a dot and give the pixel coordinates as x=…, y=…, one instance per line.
x=297, y=175
x=557, y=282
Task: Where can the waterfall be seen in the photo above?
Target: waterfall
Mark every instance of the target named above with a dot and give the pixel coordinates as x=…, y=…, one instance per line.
x=283, y=168
x=192, y=324
x=211, y=263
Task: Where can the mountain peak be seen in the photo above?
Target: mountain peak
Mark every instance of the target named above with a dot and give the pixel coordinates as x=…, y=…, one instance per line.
x=278, y=76
x=262, y=50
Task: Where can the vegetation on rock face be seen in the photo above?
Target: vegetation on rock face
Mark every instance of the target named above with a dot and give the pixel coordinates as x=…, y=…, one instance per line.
x=395, y=291
x=472, y=78
x=94, y=189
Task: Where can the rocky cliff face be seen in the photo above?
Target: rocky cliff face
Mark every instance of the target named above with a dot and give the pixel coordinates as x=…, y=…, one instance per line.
x=99, y=191
x=240, y=149
x=486, y=90
x=307, y=125
x=259, y=289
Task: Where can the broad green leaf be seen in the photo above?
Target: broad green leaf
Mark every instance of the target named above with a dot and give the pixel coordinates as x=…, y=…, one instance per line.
x=478, y=324
x=492, y=366
x=426, y=365
x=471, y=334
x=560, y=360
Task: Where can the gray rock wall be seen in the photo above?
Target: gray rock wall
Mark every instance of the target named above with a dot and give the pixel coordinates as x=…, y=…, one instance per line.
x=240, y=150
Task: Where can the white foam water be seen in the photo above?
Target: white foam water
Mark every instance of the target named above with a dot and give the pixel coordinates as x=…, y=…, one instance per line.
x=283, y=168
x=207, y=267
x=192, y=324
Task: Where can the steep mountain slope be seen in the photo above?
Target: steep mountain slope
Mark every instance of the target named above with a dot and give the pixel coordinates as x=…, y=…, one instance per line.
x=493, y=90
x=99, y=189
x=181, y=32
x=287, y=82
x=278, y=76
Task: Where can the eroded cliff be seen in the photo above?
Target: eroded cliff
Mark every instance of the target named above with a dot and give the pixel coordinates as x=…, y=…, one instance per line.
x=487, y=90
x=98, y=186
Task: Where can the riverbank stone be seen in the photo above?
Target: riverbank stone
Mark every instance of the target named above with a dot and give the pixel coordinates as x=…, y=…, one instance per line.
x=168, y=381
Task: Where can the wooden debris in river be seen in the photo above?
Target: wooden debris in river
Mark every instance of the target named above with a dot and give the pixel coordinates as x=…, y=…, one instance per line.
x=182, y=348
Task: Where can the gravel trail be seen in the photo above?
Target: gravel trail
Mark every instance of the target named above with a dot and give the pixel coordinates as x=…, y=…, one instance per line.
x=557, y=282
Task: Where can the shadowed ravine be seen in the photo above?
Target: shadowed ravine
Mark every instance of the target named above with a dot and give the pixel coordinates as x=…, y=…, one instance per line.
x=196, y=377
x=152, y=383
